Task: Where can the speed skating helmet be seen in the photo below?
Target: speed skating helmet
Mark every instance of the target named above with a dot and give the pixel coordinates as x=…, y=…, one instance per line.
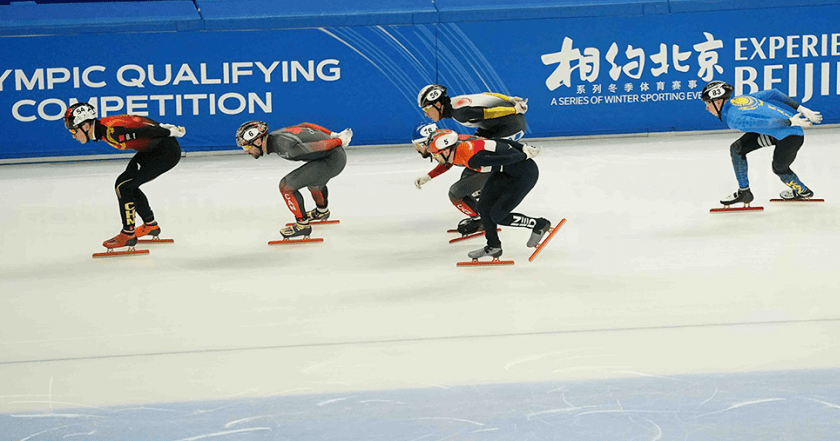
x=78, y=114
x=716, y=89
x=422, y=132
x=442, y=139
x=430, y=94
x=249, y=132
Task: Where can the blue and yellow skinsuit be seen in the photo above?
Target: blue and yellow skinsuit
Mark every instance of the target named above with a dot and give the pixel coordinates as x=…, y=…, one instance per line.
x=765, y=117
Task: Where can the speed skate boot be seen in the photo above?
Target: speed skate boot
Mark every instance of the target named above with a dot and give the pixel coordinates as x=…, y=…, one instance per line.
x=147, y=229
x=296, y=230
x=124, y=239
x=317, y=214
x=538, y=232
x=742, y=195
x=484, y=252
x=470, y=225
x=791, y=194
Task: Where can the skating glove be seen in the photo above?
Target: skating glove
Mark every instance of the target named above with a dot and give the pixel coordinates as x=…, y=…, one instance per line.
x=521, y=106
x=175, y=131
x=344, y=135
x=422, y=180
x=799, y=120
x=812, y=116
x=530, y=151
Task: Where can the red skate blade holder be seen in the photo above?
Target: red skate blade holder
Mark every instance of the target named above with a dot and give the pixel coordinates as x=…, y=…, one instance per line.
x=294, y=241
x=112, y=253
x=495, y=261
x=547, y=239
x=470, y=236
x=317, y=222
x=156, y=240
x=729, y=209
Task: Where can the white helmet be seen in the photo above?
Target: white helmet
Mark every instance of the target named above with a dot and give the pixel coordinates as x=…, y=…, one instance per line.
x=430, y=94
x=442, y=139
x=78, y=114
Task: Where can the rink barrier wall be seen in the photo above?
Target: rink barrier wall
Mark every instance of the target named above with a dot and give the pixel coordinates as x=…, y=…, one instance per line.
x=588, y=67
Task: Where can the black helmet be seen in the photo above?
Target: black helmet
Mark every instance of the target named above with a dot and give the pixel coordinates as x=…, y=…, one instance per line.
x=78, y=114
x=715, y=90
x=430, y=95
x=249, y=132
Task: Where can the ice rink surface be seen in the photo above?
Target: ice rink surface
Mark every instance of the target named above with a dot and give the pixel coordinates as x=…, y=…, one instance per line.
x=646, y=318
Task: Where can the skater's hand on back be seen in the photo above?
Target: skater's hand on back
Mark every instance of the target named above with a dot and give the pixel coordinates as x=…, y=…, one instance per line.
x=521, y=106
x=345, y=136
x=799, y=120
x=175, y=131
x=530, y=151
x=814, y=117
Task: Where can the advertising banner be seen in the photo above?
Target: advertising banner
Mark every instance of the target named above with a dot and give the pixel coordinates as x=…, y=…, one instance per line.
x=210, y=82
x=605, y=75
x=582, y=76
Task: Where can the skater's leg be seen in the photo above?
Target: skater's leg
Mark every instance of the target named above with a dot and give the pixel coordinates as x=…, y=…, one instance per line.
x=144, y=167
x=783, y=157
x=492, y=191
x=464, y=193
x=747, y=143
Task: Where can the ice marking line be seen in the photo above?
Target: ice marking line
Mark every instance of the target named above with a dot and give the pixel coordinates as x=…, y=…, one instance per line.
x=710, y=398
x=244, y=420
x=323, y=403
x=58, y=415
x=823, y=402
x=642, y=374
x=380, y=401
x=627, y=411
x=450, y=419
x=226, y=432
x=559, y=410
x=737, y=405
x=423, y=339
x=658, y=430
x=489, y=429
x=45, y=431
x=62, y=402
x=80, y=434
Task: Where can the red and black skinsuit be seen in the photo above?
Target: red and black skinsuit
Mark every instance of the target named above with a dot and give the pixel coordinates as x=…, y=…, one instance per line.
x=493, y=116
x=324, y=156
x=512, y=177
x=157, y=153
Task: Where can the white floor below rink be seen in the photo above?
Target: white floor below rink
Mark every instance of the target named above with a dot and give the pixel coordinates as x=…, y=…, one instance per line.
x=645, y=318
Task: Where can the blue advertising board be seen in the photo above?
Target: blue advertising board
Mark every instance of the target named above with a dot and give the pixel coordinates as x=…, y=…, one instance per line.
x=582, y=75
x=603, y=75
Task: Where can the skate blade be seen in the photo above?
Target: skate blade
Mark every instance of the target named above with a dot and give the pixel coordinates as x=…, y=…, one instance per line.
x=317, y=222
x=293, y=241
x=111, y=253
x=545, y=241
x=155, y=239
x=734, y=209
x=797, y=200
x=470, y=236
x=495, y=261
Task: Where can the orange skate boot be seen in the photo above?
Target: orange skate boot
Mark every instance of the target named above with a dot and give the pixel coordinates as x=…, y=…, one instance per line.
x=124, y=239
x=147, y=229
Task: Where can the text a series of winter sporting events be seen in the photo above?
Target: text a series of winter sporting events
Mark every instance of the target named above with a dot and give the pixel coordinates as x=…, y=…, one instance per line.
x=626, y=98
x=163, y=104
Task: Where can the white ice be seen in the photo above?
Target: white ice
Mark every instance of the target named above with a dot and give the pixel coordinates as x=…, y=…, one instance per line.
x=642, y=281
